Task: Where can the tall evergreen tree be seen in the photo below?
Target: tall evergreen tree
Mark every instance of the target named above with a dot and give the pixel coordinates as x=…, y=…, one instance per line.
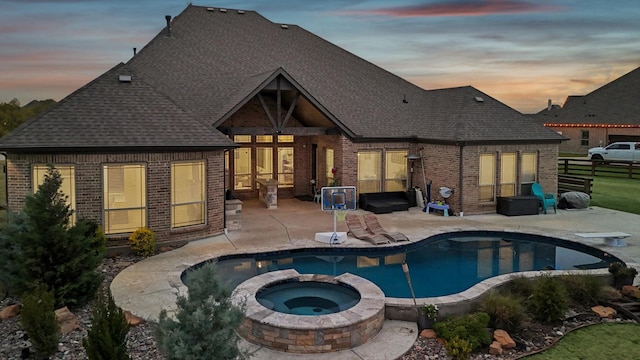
x=106, y=340
x=205, y=322
x=40, y=245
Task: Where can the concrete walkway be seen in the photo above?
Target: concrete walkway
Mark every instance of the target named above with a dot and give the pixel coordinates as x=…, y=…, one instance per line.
x=151, y=285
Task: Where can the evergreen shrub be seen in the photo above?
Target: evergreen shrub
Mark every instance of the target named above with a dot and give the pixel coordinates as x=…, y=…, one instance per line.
x=458, y=349
x=548, y=302
x=41, y=245
x=106, y=339
x=39, y=320
x=584, y=289
x=205, y=321
x=143, y=242
x=520, y=286
x=471, y=328
x=505, y=311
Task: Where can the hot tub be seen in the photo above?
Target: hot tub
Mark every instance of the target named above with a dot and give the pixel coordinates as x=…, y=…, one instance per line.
x=290, y=312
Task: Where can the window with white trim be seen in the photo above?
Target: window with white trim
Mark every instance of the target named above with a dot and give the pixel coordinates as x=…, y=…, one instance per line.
x=487, y=178
x=68, y=186
x=508, y=174
x=369, y=171
x=529, y=169
x=328, y=167
x=395, y=170
x=125, y=197
x=188, y=193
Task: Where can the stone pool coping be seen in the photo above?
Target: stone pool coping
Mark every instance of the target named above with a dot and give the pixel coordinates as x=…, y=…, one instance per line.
x=403, y=309
x=372, y=299
x=342, y=330
x=466, y=301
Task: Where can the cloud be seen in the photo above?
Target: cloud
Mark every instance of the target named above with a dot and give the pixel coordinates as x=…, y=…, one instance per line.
x=460, y=8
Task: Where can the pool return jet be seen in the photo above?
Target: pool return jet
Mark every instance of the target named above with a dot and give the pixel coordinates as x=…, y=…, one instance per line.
x=338, y=200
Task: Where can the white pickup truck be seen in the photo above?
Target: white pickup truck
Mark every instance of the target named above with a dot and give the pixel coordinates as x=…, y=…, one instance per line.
x=618, y=151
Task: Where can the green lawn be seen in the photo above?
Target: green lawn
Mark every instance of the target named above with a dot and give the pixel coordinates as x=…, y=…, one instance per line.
x=607, y=341
x=616, y=193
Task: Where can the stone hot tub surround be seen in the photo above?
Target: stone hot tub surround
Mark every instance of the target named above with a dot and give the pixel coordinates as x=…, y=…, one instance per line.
x=307, y=333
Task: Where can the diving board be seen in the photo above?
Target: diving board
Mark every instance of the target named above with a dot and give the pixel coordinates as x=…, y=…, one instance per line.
x=615, y=238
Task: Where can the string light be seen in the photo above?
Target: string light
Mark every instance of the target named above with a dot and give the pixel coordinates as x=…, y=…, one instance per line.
x=593, y=125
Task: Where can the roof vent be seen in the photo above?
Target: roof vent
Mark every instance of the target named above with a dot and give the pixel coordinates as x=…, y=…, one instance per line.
x=479, y=99
x=223, y=10
x=168, y=18
x=124, y=78
x=240, y=12
x=210, y=9
x=284, y=26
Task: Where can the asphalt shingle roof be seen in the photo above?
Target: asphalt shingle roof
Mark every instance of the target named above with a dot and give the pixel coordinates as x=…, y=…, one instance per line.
x=615, y=103
x=186, y=84
x=213, y=58
x=108, y=113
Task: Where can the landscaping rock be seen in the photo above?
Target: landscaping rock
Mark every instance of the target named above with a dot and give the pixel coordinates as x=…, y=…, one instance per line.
x=632, y=291
x=9, y=311
x=604, y=311
x=504, y=339
x=67, y=321
x=495, y=348
x=132, y=320
x=428, y=334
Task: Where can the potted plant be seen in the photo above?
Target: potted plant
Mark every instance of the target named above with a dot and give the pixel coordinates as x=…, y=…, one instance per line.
x=622, y=274
x=427, y=314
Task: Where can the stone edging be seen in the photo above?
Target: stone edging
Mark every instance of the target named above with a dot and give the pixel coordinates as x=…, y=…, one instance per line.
x=310, y=334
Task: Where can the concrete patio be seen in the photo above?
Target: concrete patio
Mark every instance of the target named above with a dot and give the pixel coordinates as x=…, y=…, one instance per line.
x=151, y=285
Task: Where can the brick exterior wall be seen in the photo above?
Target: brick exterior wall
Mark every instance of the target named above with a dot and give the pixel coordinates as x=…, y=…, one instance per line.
x=547, y=174
x=89, y=188
x=443, y=164
x=442, y=167
x=312, y=341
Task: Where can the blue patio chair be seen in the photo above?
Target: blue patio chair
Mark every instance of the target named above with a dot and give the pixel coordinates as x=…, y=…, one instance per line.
x=545, y=199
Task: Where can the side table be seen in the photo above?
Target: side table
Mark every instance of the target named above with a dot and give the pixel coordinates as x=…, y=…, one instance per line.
x=435, y=206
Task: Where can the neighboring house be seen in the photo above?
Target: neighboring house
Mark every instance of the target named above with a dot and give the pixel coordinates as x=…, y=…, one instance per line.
x=221, y=98
x=608, y=114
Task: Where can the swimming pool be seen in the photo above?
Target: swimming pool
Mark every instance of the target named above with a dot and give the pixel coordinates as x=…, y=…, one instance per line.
x=440, y=265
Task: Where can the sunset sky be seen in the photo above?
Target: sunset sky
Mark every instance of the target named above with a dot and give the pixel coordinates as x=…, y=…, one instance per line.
x=520, y=52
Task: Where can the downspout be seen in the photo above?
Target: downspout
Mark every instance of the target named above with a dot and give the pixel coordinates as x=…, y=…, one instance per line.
x=6, y=182
x=460, y=177
x=224, y=194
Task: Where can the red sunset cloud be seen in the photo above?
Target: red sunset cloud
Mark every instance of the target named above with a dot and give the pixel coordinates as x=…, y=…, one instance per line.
x=460, y=8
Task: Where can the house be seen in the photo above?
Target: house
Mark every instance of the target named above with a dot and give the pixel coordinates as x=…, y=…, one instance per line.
x=605, y=115
x=221, y=98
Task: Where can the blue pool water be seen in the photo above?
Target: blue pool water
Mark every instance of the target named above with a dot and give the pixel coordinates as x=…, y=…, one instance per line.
x=440, y=265
x=307, y=297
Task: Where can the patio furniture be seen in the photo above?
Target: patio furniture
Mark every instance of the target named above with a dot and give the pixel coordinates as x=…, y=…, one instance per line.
x=517, y=205
x=374, y=227
x=546, y=199
x=435, y=206
x=386, y=202
x=357, y=230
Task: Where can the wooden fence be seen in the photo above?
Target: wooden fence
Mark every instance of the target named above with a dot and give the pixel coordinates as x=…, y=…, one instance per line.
x=584, y=167
x=568, y=183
